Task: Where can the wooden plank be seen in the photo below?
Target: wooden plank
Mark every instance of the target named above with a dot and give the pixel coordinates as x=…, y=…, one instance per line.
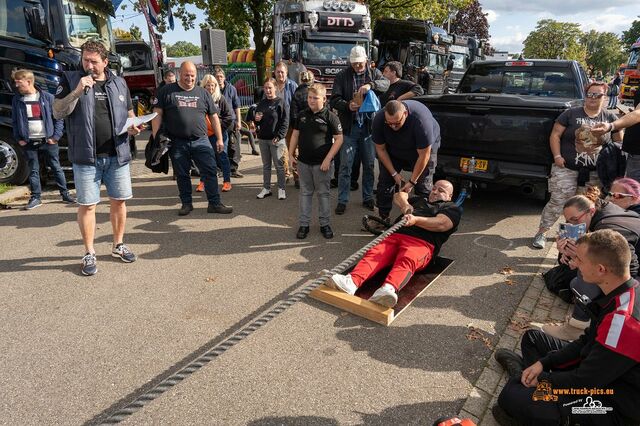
x=353, y=304
x=359, y=305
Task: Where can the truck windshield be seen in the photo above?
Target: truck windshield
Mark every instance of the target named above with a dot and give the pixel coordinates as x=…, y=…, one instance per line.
x=86, y=22
x=314, y=52
x=134, y=58
x=458, y=61
x=12, y=20
x=436, y=63
x=534, y=81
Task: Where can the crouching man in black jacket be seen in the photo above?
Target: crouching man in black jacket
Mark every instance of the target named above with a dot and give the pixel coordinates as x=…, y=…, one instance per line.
x=594, y=380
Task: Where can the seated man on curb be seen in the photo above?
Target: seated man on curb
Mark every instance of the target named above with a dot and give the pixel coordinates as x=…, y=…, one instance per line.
x=429, y=223
x=605, y=359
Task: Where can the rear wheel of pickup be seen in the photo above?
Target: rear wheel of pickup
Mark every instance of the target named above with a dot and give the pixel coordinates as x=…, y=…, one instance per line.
x=14, y=168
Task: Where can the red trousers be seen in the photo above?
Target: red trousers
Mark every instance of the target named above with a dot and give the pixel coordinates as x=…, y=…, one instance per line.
x=405, y=254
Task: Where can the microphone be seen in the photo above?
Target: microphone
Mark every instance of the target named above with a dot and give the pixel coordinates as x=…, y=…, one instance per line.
x=86, y=88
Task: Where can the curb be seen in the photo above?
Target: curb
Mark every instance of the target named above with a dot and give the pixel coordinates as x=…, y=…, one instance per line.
x=537, y=305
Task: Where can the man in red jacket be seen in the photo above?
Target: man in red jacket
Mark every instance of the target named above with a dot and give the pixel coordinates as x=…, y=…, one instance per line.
x=594, y=380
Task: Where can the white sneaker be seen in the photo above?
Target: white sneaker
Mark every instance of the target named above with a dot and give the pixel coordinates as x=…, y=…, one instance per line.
x=539, y=241
x=264, y=193
x=385, y=296
x=343, y=283
x=282, y=194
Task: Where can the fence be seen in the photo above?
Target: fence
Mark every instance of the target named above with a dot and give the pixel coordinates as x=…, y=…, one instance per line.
x=245, y=80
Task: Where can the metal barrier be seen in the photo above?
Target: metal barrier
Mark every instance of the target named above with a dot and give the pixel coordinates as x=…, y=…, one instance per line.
x=245, y=80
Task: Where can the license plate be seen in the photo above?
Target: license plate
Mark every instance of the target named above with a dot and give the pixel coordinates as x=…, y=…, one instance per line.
x=481, y=165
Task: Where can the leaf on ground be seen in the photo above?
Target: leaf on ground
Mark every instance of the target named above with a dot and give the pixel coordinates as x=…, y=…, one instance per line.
x=509, y=282
x=519, y=325
x=506, y=270
x=210, y=279
x=477, y=334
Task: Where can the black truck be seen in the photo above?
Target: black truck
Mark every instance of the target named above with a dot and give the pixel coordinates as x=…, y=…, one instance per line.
x=45, y=37
x=501, y=116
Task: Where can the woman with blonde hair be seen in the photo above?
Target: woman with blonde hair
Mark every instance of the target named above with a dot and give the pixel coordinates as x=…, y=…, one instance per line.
x=210, y=84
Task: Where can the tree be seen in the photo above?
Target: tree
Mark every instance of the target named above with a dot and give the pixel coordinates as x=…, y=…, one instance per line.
x=419, y=9
x=183, y=48
x=256, y=14
x=631, y=35
x=471, y=20
x=135, y=32
x=605, y=51
x=555, y=40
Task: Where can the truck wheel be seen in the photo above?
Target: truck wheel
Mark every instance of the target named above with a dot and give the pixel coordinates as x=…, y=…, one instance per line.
x=13, y=163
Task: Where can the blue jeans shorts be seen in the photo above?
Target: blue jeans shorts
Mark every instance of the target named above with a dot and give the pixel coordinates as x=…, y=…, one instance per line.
x=115, y=177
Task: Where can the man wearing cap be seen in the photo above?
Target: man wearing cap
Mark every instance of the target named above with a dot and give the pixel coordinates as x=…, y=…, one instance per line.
x=359, y=78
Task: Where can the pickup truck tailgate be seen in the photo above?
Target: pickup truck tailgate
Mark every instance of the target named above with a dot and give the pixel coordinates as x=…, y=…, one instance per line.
x=503, y=128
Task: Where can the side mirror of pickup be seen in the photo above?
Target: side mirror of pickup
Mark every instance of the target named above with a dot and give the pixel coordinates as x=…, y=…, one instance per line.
x=37, y=22
x=374, y=54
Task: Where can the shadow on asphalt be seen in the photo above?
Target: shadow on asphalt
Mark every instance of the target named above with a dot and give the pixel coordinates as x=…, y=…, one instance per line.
x=408, y=414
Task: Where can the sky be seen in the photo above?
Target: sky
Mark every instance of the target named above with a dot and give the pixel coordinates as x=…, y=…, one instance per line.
x=510, y=21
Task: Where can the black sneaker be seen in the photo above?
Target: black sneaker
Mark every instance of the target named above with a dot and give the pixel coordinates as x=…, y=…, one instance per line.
x=254, y=152
x=33, y=203
x=123, y=253
x=236, y=174
x=326, y=232
x=369, y=205
x=185, y=209
x=219, y=208
x=68, y=198
x=296, y=183
x=354, y=185
x=89, y=266
x=340, y=208
x=302, y=232
x=512, y=363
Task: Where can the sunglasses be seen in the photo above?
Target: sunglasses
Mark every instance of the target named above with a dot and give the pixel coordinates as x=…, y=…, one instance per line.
x=618, y=195
x=594, y=95
x=575, y=220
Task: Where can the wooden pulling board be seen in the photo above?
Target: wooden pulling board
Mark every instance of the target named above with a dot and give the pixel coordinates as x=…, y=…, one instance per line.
x=359, y=305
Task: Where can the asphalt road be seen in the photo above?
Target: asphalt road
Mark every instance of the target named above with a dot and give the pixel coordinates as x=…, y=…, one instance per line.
x=78, y=349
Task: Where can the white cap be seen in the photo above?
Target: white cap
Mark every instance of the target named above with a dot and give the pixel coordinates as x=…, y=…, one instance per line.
x=358, y=54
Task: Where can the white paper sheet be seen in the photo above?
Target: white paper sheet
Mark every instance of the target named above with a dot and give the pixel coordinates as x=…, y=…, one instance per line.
x=137, y=121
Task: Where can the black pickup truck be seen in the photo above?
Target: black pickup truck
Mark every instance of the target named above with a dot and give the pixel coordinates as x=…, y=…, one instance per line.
x=502, y=115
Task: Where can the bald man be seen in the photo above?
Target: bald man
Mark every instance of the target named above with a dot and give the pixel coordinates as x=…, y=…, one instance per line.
x=181, y=108
x=429, y=224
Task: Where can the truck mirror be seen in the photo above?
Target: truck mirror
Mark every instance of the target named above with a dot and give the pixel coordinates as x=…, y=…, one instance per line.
x=374, y=53
x=37, y=22
x=375, y=42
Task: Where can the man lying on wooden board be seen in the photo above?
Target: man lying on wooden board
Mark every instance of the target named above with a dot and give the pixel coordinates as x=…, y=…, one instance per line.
x=429, y=224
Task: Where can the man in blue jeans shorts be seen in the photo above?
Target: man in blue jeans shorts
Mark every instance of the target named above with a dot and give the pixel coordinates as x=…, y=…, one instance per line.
x=96, y=104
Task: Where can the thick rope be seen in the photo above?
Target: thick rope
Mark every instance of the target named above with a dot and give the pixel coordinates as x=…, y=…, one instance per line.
x=238, y=336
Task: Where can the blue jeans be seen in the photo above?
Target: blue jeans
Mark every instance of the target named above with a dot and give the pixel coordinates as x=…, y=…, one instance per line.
x=107, y=170
x=359, y=140
x=182, y=152
x=52, y=159
x=222, y=159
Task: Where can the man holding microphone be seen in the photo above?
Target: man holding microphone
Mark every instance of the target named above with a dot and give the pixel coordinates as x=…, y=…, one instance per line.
x=96, y=104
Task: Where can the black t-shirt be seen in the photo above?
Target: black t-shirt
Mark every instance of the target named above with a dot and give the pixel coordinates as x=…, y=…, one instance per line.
x=578, y=146
x=420, y=130
x=184, y=111
x=422, y=208
x=398, y=89
x=316, y=134
x=271, y=118
x=103, y=128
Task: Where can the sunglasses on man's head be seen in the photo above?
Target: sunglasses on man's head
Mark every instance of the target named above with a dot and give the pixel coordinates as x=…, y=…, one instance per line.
x=594, y=95
x=618, y=195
